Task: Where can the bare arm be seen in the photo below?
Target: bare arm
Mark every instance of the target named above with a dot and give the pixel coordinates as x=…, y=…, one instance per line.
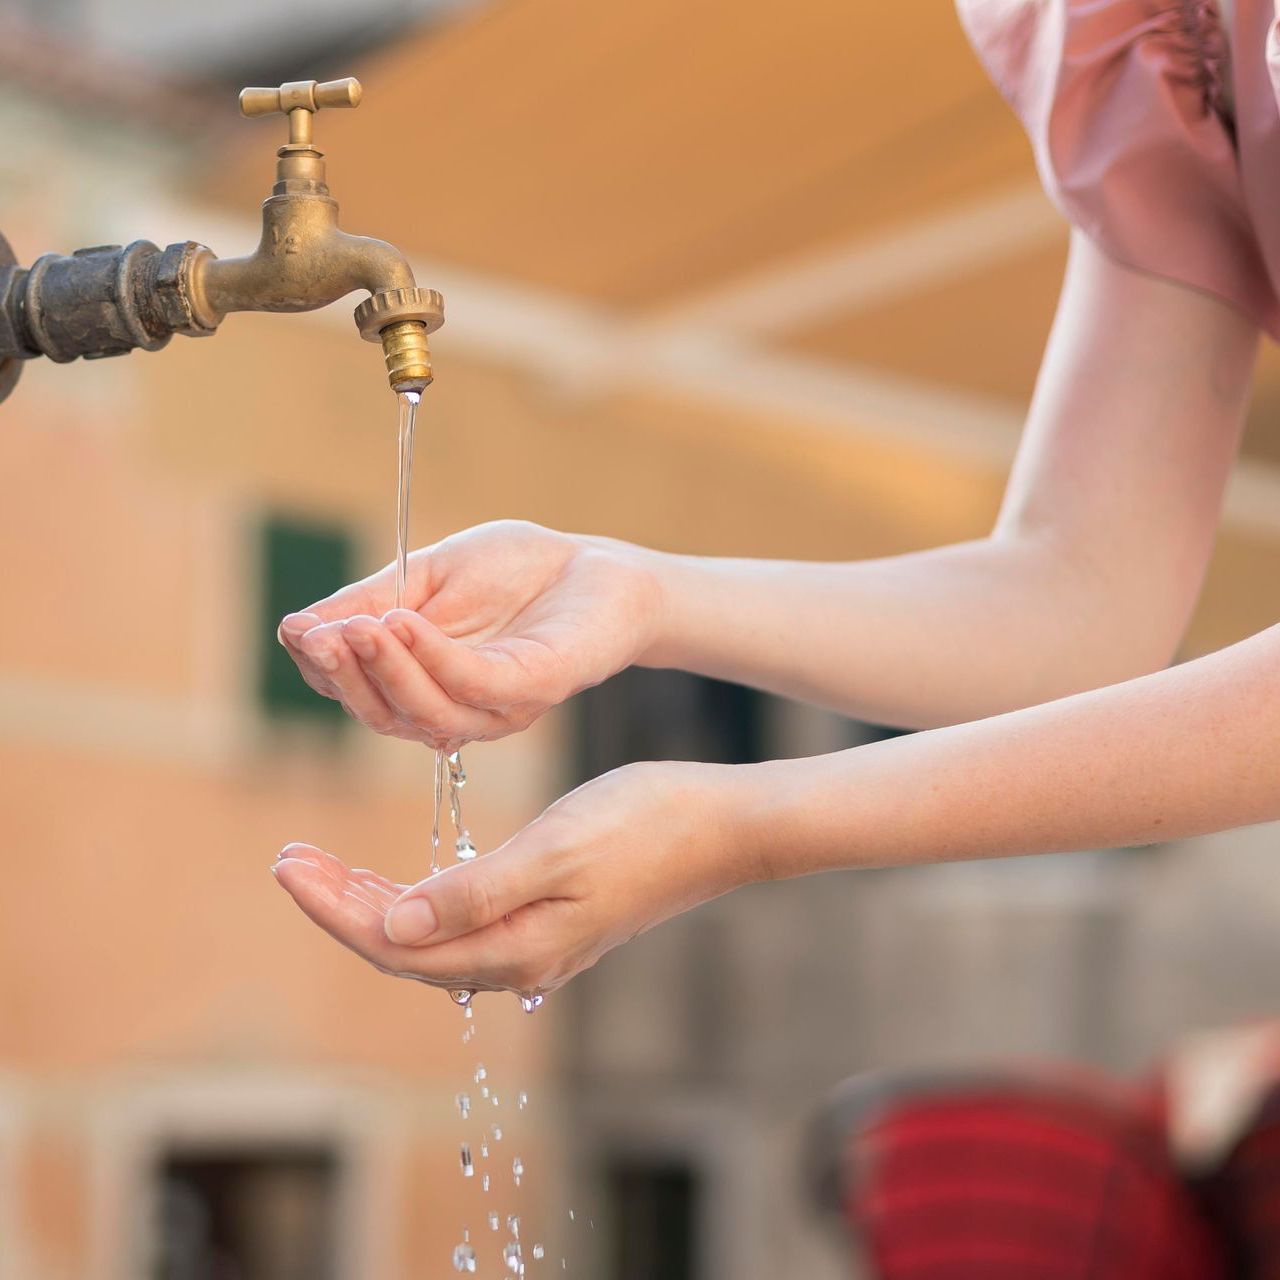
x=1181, y=752
x=1088, y=578
x=1191, y=749
x=1090, y=574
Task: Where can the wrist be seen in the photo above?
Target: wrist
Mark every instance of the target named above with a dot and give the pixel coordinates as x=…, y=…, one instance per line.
x=753, y=813
x=717, y=832
x=673, y=578
x=648, y=576
x=790, y=818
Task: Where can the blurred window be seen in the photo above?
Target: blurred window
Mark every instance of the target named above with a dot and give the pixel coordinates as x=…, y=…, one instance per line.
x=653, y=1215
x=299, y=564
x=666, y=715
x=643, y=714
x=246, y=1215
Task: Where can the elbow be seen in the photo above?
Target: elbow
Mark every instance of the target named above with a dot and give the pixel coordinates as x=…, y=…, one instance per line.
x=1095, y=621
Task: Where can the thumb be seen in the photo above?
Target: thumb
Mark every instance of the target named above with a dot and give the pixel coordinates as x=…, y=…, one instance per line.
x=460, y=899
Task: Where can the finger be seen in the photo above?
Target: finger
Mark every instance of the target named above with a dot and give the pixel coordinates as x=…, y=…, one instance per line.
x=327, y=899
x=378, y=883
x=370, y=595
x=374, y=594
x=489, y=676
x=410, y=690
x=469, y=897
x=290, y=633
x=352, y=920
x=327, y=647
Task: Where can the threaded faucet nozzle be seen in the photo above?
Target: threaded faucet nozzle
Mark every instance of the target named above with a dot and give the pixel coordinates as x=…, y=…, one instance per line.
x=404, y=345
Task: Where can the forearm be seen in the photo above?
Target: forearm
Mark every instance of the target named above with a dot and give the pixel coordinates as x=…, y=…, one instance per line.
x=1097, y=561
x=936, y=637
x=1185, y=751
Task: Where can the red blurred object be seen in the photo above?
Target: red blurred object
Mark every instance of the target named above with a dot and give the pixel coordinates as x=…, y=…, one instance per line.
x=1025, y=1179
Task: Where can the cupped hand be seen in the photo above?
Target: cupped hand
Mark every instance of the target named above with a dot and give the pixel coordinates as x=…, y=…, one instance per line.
x=600, y=866
x=503, y=622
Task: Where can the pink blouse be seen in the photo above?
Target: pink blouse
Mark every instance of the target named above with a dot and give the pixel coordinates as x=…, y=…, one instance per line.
x=1141, y=139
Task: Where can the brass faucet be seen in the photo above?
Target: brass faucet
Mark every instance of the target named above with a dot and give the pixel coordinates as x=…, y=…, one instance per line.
x=304, y=260
x=108, y=300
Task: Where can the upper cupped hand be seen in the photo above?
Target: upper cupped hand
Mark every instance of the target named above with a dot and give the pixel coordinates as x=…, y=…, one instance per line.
x=504, y=621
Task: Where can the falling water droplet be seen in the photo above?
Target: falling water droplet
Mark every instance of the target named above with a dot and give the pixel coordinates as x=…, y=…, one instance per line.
x=461, y=995
x=464, y=849
x=517, y=1169
x=493, y=1220
x=463, y=1103
x=511, y=1256
x=468, y=1170
x=464, y=1257
x=437, y=804
x=494, y=1099
x=457, y=774
x=513, y=1225
x=484, y=1183
x=481, y=1073
x=532, y=1001
x=522, y=1100
x=538, y=1252
x=484, y=1151
x=497, y=1133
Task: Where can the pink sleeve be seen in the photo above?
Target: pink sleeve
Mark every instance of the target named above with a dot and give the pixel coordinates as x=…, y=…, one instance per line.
x=1122, y=101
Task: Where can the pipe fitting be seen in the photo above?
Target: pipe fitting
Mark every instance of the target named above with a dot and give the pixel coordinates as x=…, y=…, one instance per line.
x=108, y=300
x=401, y=319
x=404, y=346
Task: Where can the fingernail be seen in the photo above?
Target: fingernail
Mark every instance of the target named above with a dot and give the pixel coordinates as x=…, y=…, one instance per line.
x=361, y=642
x=410, y=921
x=295, y=625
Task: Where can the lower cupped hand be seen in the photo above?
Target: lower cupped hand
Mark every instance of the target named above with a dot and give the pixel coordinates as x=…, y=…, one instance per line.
x=600, y=866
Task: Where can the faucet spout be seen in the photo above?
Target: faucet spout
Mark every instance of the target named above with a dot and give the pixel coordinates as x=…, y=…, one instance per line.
x=304, y=260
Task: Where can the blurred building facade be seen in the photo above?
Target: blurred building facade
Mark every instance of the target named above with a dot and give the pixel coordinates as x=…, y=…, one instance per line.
x=756, y=282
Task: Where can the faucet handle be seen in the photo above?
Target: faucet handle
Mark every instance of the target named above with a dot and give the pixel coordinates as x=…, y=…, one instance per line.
x=300, y=100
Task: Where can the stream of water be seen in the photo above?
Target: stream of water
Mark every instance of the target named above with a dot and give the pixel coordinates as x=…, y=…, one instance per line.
x=449, y=778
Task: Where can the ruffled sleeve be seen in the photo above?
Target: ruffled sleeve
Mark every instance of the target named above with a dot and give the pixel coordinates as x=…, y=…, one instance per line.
x=1124, y=103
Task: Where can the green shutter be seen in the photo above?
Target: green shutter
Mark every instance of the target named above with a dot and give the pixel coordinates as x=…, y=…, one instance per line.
x=300, y=564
